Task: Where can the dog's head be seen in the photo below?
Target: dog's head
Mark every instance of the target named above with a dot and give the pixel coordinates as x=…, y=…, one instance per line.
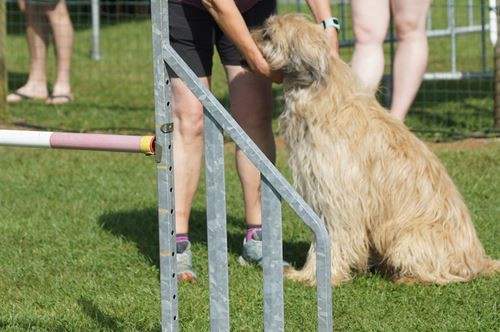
x=296, y=46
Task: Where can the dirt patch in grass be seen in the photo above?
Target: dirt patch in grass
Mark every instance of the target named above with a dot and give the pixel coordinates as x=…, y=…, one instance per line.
x=466, y=144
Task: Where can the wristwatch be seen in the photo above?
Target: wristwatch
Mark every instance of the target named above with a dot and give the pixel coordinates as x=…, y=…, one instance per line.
x=331, y=22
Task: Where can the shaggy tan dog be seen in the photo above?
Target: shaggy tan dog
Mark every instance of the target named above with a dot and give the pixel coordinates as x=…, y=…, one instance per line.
x=385, y=198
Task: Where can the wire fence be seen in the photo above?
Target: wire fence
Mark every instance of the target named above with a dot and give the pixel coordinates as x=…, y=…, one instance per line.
x=112, y=61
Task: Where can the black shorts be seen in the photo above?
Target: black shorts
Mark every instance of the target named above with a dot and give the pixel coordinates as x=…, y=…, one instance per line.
x=194, y=32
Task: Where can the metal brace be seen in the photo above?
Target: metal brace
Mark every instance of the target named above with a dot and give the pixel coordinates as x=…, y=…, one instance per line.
x=167, y=127
x=158, y=152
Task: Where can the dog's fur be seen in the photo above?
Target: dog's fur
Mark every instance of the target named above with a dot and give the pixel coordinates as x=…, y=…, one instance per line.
x=385, y=198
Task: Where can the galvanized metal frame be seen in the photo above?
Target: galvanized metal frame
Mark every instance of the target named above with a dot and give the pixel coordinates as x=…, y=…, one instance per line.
x=274, y=188
x=165, y=179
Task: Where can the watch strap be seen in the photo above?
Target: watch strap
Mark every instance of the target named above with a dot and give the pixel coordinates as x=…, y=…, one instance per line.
x=331, y=22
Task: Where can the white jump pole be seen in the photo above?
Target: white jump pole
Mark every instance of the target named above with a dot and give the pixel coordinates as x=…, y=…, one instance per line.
x=77, y=141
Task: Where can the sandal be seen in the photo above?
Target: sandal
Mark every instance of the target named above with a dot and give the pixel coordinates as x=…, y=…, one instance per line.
x=59, y=99
x=16, y=96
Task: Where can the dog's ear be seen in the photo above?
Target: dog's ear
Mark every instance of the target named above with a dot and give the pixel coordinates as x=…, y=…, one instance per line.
x=308, y=53
x=296, y=46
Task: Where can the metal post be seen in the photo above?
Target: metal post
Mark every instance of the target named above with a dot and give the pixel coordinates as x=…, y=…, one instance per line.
x=429, y=18
x=3, y=68
x=96, y=26
x=165, y=179
x=484, y=64
x=343, y=19
x=389, y=78
x=272, y=245
x=470, y=12
x=216, y=225
x=453, y=35
x=496, y=121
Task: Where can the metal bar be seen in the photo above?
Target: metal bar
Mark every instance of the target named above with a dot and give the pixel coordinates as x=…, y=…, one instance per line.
x=492, y=8
x=4, y=84
x=429, y=19
x=279, y=183
x=484, y=64
x=272, y=261
x=165, y=178
x=457, y=30
x=389, y=78
x=77, y=141
x=470, y=12
x=216, y=225
x=496, y=107
x=343, y=19
x=451, y=26
x=456, y=76
x=96, y=26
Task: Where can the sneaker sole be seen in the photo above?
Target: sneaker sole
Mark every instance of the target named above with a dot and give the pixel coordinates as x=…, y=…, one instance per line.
x=243, y=262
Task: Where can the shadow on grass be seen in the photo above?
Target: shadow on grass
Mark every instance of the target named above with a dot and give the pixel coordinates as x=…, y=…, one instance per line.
x=104, y=321
x=141, y=227
x=16, y=80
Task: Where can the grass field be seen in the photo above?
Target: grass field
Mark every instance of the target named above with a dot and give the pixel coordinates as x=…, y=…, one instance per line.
x=79, y=229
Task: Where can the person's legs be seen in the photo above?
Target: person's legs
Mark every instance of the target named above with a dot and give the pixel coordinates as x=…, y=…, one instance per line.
x=251, y=106
x=411, y=56
x=62, y=30
x=188, y=145
x=37, y=36
x=188, y=149
x=370, y=19
x=191, y=35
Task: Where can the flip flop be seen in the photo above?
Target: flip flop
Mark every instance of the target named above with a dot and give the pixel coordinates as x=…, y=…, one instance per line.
x=63, y=99
x=15, y=97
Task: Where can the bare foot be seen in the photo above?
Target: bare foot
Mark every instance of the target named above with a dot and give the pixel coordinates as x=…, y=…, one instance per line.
x=27, y=93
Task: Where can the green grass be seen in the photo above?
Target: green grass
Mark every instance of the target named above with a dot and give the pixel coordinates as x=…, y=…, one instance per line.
x=79, y=229
x=79, y=252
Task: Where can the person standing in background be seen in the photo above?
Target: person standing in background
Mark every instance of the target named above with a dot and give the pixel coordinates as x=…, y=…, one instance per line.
x=39, y=16
x=371, y=20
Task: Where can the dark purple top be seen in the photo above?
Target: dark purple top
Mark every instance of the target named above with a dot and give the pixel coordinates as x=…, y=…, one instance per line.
x=243, y=5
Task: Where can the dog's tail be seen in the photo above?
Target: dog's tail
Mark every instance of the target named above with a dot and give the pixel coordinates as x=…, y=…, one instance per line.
x=490, y=267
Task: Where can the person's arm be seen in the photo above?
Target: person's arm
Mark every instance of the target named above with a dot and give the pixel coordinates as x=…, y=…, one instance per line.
x=229, y=19
x=322, y=11
x=22, y=5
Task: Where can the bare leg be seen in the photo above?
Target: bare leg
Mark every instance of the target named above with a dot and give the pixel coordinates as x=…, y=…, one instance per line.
x=188, y=149
x=411, y=55
x=37, y=36
x=62, y=29
x=370, y=22
x=251, y=106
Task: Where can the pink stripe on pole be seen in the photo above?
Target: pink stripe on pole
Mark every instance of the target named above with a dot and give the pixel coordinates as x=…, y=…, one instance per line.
x=100, y=142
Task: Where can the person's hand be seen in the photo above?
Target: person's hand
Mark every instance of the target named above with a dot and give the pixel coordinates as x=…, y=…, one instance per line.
x=275, y=76
x=22, y=5
x=259, y=65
